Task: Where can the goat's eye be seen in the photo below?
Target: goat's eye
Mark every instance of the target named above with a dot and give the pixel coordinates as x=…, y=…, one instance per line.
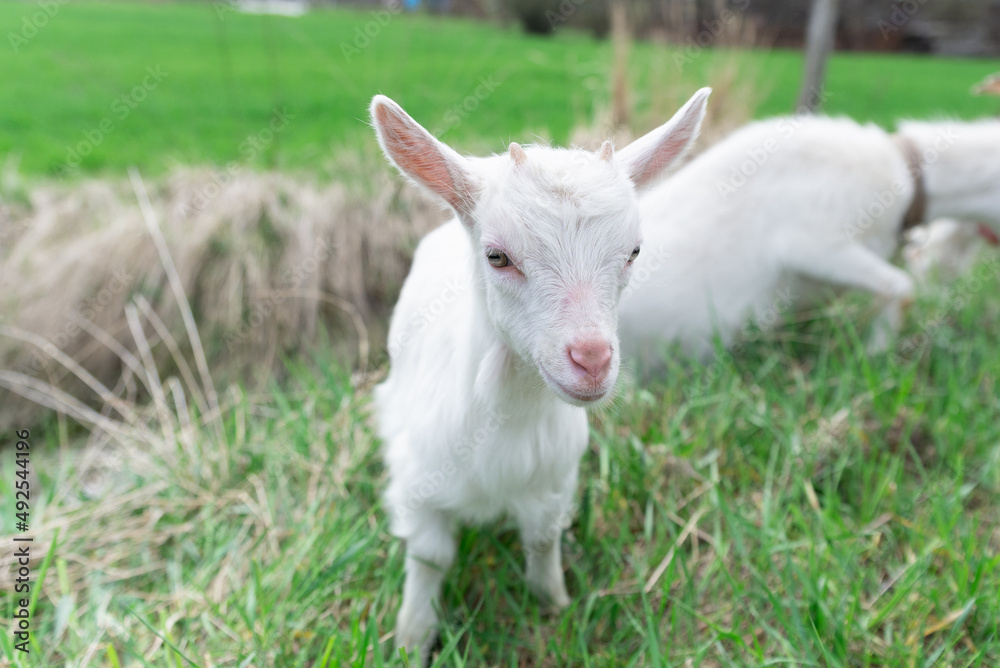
x=497, y=258
x=634, y=255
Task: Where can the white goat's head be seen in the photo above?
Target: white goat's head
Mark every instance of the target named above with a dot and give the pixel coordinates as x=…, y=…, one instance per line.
x=554, y=233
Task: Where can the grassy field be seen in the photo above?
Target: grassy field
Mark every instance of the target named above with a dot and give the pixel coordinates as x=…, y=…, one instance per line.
x=221, y=76
x=808, y=505
x=797, y=503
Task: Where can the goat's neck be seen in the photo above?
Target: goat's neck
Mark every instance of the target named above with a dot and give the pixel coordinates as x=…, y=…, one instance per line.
x=961, y=172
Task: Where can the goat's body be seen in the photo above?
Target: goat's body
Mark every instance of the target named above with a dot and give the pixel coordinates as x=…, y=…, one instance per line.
x=512, y=448
x=821, y=207
x=505, y=329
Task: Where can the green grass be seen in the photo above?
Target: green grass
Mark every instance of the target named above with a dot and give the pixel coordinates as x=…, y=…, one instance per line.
x=845, y=510
x=226, y=76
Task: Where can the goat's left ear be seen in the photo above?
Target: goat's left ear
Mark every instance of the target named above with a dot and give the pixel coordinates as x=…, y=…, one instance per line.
x=421, y=157
x=647, y=157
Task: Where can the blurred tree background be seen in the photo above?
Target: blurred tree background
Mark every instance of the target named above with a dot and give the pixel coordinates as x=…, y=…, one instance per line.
x=945, y=27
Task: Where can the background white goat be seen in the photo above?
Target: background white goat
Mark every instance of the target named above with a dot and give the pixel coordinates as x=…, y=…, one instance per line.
x=765, y=220
x=945, y=249
x=505, y=328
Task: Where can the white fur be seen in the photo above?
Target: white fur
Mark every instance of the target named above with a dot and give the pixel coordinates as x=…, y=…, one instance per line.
x=944, y=249
x=783, y=209
x=482, y=412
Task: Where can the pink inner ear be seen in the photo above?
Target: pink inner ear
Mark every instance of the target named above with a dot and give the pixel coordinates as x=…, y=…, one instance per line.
x=664, y=154
x=648, y=156
x=416, y=154
x=607, y=152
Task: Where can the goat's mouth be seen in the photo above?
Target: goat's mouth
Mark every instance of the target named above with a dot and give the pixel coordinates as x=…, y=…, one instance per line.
x=573, y=396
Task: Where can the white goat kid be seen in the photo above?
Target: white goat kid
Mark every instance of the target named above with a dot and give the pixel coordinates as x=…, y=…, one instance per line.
x=767, y=219
x=504, y=330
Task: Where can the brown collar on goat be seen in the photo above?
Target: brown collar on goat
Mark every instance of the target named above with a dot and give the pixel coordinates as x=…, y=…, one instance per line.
x=918, y=206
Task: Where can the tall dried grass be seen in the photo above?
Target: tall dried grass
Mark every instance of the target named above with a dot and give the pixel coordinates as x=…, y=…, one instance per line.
x=269, y=262
x=152, y=486
x=738, y=88
x=158, y=468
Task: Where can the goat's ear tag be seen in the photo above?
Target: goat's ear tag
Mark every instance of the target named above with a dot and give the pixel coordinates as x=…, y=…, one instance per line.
x=517, y=154
x=607, y=151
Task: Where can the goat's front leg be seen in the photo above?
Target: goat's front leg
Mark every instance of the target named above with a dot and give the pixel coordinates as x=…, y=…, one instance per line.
x=430, y=550
x=854, y=265
x=541, y=531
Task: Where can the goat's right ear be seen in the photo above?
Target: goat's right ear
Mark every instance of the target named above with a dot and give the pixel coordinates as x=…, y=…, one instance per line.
x=647, y=157
x=421, y=157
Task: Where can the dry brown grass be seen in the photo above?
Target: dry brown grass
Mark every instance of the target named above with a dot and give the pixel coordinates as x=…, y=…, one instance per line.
x=152, y=487
x=268, y=261
x=738, y=89
x=157, y=476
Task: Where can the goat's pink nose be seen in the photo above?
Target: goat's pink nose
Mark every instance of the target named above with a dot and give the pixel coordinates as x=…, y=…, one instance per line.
x=592, y=356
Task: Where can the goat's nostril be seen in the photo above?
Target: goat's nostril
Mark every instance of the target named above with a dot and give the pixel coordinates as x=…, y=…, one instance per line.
x=592, y=357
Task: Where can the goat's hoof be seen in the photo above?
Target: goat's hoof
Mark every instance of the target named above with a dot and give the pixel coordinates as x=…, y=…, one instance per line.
x=553, y=598
x=418, y=643
x=556, y=604
x=418, y=655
